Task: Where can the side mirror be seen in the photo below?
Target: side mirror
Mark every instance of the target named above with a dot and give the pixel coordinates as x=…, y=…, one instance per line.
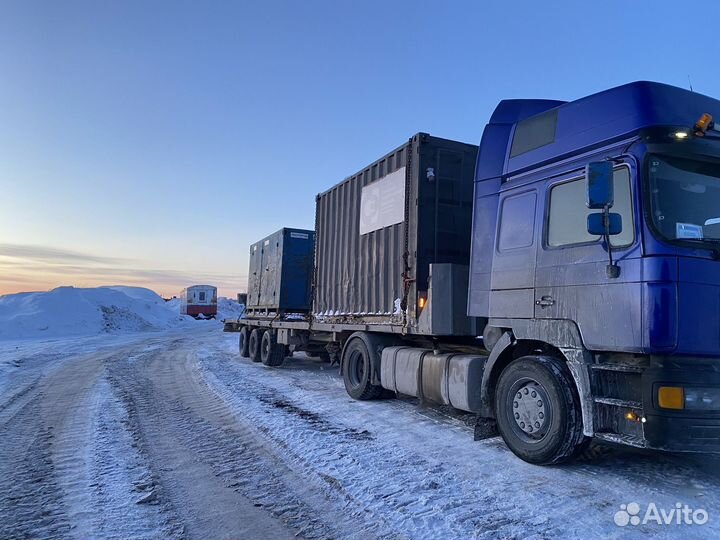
x=599, y=175
x=596, y=223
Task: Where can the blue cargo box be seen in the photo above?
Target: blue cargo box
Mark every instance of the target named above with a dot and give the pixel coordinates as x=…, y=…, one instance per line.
x=280, y=274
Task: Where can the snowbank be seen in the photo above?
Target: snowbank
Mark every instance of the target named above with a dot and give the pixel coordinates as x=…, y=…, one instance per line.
x=69, y=311
x=229, y=309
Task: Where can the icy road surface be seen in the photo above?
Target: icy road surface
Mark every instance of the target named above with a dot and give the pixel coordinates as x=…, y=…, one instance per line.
x=171, y=435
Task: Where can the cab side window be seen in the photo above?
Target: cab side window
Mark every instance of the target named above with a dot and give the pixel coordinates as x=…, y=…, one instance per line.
x=517, y=221
x=567, y=218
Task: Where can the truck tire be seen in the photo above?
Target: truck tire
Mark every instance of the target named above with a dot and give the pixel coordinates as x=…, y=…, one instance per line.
x=538, y=410
x=244, y=342
x=272, y=353
x=356, y=371
x=254, y=345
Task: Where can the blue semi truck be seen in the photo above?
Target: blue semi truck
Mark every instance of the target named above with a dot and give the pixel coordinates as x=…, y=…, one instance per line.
x=580, y=240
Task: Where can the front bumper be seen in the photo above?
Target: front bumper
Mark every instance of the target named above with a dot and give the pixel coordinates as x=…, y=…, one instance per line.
x=680, y=430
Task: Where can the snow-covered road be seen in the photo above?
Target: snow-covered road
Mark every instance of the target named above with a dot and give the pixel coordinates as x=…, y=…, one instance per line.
x=172, y=435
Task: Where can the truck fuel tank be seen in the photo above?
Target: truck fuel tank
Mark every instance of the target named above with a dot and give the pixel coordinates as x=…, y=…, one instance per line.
x=445, y=378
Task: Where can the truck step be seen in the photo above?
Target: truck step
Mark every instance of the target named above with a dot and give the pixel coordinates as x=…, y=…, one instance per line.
x=625, y=368
x=619, y=402
x=616, y=438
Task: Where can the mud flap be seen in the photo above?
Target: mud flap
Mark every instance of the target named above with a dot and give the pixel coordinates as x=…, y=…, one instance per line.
x=485, y=428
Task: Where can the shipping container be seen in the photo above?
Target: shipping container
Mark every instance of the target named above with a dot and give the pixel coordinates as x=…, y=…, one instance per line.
x=280, y=272
x=385, y=231
x=199, y=301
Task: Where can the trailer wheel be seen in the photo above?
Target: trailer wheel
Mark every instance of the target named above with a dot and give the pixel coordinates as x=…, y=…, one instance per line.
x=255, y=343
x=244, y=342
x=272, y=353
x=356, y=371
x=538, y=410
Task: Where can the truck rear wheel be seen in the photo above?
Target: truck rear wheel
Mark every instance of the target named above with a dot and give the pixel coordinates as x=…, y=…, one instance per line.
x=356, y=371
x=255, y=344
x=272, y=353
x=538, y=410
x=244, y=342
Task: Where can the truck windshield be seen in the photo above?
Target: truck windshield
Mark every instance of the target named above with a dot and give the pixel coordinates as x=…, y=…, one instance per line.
x=685, y=199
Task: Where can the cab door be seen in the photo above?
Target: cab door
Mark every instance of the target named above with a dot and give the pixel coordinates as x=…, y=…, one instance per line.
x=513, y=270
x=572, y=282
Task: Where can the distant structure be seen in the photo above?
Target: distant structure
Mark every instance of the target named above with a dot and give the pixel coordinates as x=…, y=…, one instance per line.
x=199, y=301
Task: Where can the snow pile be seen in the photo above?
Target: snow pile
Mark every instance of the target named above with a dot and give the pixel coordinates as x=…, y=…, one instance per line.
x=229, y=309
x=70, y=311
x=173, y=304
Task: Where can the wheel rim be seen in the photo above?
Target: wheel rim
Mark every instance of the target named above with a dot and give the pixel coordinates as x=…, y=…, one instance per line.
x=529, y=410
x=356, y=369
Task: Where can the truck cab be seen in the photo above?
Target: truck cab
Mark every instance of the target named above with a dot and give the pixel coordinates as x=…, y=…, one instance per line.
x=622, y=295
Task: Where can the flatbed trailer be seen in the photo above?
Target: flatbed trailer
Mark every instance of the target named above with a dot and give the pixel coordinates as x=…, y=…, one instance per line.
x=320, y=337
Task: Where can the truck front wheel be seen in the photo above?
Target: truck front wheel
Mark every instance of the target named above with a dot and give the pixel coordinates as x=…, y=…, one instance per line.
x=244, y=342
x=538, y=410
x=255, y=344
x=356, y=371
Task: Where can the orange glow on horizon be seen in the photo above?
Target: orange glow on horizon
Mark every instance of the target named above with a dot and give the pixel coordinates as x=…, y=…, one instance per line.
x=15, y=285
x=36, y=269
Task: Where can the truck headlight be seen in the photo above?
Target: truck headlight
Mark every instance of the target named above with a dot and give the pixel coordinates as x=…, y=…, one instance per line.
x=702, y=399
x=693, y=399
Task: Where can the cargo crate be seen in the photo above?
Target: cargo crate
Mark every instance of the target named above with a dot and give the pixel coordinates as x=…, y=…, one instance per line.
x=280, y=273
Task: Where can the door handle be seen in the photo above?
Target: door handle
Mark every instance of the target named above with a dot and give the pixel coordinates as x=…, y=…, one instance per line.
x=545, y=301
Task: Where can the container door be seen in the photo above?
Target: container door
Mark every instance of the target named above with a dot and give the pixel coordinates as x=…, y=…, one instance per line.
x=255, y=275
x=270, y=263
x=297, y=262
x=572, y=281
x=443, y=222
x=513, y=272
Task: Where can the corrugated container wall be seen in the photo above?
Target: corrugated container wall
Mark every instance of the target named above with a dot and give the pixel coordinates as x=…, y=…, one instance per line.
x=280, y=272
x=379, y=230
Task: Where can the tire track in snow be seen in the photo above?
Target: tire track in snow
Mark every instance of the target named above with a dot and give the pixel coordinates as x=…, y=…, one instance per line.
x=104, y=473
x=30, y=501
x=173, y=416
x=66, y=456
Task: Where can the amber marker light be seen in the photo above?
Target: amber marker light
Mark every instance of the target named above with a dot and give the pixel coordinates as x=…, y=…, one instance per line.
x=671, y=397
x=704, y=123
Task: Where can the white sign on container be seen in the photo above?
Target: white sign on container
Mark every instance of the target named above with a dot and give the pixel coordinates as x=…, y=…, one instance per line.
x=382, y=202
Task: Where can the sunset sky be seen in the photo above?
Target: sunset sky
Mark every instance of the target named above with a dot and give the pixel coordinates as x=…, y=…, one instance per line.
x=150, y=142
